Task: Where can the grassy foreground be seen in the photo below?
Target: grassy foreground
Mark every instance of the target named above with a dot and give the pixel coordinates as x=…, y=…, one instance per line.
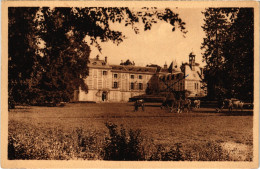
x=78, y=131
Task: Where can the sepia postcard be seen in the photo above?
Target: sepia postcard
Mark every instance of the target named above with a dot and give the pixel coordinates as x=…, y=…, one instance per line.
x=130, y=84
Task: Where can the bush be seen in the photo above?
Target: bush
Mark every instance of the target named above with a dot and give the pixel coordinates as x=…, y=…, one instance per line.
x=120, y=146
x=174, y=154
x=28, y=142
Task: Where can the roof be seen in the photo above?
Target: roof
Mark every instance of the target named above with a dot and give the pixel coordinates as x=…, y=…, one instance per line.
x=134, y=69
x=97, y=63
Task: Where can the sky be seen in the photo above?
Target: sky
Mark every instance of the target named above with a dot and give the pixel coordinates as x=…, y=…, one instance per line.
x=159, y=45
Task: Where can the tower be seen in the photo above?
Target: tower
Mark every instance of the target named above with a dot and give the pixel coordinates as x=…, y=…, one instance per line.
x=192, y=61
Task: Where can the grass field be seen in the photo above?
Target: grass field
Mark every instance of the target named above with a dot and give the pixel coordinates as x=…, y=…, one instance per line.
x=201, y=132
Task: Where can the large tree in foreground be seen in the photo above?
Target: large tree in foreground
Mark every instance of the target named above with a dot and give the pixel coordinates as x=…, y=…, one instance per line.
x=48, y=52
x=228, y=52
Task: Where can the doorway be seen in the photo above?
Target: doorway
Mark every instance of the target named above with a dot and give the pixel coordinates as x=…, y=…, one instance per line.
x=104, y=96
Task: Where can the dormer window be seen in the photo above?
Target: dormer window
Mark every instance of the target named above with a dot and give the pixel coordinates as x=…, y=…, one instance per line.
x=103, y=63
x=94, y=63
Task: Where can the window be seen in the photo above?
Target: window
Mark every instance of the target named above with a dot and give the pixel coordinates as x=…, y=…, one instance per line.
x=132, y=86
x=196, y=86
x=115, y=85
x=104, y=72
x=132, y=76
x=172, y=77
x=163, y=79
x=115, y=76
x=140, y=86
x=148, y=85
x=140, y=76
x=168, y=77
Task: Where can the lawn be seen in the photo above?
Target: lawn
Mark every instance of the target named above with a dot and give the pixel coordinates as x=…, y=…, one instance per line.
x=196, y=131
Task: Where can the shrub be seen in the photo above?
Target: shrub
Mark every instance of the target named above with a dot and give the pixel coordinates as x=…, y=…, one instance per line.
x=120, y=146
x=174, y=154
x=28, y=142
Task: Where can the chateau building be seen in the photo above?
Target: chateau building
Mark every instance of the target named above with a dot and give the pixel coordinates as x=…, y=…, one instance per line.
x=118, y=83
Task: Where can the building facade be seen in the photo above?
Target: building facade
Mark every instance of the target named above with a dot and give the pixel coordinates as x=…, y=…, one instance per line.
x=118, y=83
x=194, y=78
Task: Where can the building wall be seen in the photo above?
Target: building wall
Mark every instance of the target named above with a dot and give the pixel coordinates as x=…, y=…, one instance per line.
x=193, y=81
x=99, y=82
x=114, y=83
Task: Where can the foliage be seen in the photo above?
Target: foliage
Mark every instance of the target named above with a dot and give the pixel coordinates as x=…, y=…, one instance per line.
x=120, y=146
x=127, y=62
x=30, y=142
x=174, y=154
x=21, y=52
x=228, y=52
x=53, y=144
x=48, y=51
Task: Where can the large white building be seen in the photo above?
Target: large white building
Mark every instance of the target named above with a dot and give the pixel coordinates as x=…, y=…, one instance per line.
x=118, y=83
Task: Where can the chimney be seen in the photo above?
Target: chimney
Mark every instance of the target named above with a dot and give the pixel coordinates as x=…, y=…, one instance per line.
x=133, y=63
x=165, y=66
x=97, y=57
x=106, y=59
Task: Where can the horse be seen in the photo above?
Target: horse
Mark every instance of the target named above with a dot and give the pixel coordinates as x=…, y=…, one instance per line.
x=237, y=104
x=182, y=104
x=232, y=103
x=169, y=103
x=139, y=103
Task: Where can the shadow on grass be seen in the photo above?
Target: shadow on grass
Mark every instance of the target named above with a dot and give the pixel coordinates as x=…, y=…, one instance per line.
x=238, y=113
x=227, y=113
x=21, y=107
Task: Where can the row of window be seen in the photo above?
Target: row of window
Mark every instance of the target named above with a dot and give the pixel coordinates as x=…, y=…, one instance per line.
x=132, y=86
x=131, y=76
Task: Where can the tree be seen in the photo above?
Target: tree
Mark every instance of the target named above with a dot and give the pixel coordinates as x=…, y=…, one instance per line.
x=239, y=56
x=127, y=62
x=51, y=44
x=22, y=57
x=228, y=52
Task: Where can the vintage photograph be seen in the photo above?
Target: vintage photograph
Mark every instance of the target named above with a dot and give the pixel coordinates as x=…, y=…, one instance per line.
x=131, y=83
